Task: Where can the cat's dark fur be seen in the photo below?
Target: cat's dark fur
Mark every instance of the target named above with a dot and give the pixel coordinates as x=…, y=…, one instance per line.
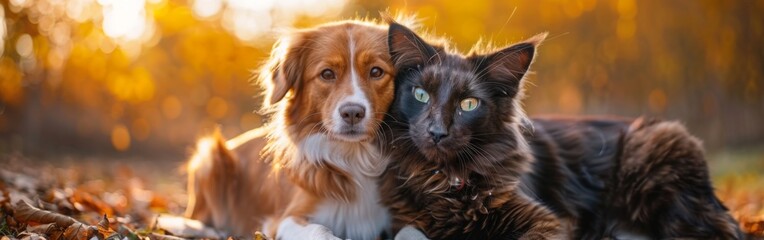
x=490, y=173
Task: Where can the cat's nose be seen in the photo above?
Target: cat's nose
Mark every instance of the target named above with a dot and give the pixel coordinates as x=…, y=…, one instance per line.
x=352, y=113
x=437, y=133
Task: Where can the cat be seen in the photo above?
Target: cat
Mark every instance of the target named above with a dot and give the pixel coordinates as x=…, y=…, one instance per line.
x=466, y=163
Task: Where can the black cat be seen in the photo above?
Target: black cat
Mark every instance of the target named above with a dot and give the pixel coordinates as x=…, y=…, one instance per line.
x=467, y=164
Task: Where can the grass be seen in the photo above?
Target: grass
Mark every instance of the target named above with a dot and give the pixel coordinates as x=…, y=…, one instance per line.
x=5, y=230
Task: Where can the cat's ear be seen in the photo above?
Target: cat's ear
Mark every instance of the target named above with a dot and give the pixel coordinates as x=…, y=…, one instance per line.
x=407, y=49
x=508, y=66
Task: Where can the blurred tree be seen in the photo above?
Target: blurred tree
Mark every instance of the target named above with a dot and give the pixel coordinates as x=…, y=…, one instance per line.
x=151, y=75
x=83, y=75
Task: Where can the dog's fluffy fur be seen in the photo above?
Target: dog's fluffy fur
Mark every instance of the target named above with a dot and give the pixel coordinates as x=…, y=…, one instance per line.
x=313, y=168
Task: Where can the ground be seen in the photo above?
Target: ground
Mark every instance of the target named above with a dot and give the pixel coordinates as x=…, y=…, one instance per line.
x=138, y=198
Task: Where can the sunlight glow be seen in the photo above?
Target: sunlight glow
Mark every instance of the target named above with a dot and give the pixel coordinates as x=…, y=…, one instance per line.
x=20, y=3
x=203, y=148
x=124, y=18
x=248, y=20
x=80, y=10
x=25, y=46
x=207, y=8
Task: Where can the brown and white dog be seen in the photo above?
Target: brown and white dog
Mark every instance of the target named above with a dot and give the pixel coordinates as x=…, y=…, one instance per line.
x=312, y=171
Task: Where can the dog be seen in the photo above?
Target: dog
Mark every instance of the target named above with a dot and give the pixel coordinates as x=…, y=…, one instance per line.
x=311, y=171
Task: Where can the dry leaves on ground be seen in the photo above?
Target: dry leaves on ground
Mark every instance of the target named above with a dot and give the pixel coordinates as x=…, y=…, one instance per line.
x=97, y=203
x=43, y=202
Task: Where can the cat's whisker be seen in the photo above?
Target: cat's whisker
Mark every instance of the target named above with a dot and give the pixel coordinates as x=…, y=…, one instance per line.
x=481, y=156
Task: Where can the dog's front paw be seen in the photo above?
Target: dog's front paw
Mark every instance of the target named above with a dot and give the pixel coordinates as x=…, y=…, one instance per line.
x=310, y=231
x=291, y=230
x=320, y=232
x=410, y=233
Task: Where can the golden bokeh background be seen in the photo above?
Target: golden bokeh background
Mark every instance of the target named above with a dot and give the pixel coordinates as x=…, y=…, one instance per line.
x=146, y=77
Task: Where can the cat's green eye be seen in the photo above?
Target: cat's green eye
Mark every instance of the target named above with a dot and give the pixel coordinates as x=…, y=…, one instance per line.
x=469, y=104
x=421, y=95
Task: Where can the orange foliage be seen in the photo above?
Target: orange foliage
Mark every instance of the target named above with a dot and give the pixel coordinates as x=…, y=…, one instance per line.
x=167, y=69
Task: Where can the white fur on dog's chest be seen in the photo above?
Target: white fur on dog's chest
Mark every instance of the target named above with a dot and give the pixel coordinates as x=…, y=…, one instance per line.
x=364, y=217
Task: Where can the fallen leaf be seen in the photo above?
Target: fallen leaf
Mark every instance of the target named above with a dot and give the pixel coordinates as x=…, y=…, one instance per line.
x=73, y=229
x=31, y=236
x=88, y=200
x=80, y=231
x=29, y=213
x=104, y=227
x=260, y=236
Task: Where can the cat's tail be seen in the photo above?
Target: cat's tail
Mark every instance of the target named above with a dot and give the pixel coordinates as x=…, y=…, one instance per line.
x=663, y=184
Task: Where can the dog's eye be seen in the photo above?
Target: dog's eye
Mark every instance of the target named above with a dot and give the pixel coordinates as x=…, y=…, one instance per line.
x=421, y=95
x=469, y=104
x=328, y=74
x=376, y=72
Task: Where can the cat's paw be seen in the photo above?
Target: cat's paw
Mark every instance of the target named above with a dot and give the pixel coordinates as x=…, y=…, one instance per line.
x=410, y=233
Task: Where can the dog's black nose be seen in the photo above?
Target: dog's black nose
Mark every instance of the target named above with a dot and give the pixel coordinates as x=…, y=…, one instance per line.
x=352, y=113
x=437, y=133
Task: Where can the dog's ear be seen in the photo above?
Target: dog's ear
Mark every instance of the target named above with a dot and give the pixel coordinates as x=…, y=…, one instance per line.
x=284, y=72
x=507, y=67
x=407, y=49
